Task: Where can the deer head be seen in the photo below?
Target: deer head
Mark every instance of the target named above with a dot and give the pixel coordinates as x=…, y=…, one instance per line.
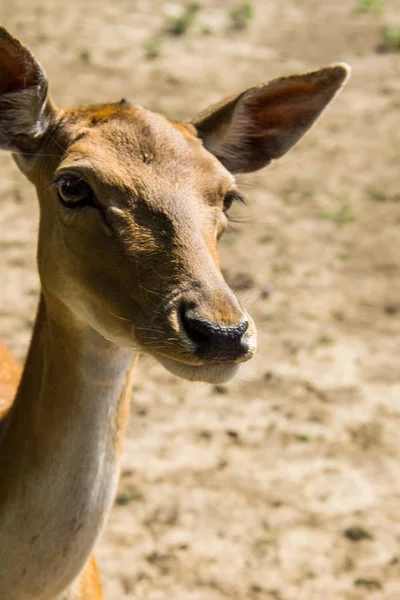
x=133, y=204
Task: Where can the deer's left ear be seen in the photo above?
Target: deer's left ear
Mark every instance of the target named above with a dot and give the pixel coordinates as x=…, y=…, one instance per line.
x=262, y=123
x=24, y=105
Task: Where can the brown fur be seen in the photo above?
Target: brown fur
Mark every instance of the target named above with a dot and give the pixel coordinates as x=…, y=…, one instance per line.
x=10, y=374
x=122, y=273
x=89, y=582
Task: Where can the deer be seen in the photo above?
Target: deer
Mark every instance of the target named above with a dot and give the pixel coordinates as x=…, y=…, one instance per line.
x=132, y=205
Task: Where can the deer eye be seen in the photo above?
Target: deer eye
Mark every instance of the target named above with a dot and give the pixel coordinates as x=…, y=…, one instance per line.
x=73, y=191
x=231, y=197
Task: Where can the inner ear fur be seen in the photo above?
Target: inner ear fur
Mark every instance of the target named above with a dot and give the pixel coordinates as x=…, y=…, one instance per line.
x=262, y=123
x=24, y=104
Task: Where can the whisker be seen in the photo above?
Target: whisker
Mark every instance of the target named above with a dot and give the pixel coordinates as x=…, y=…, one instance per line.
x=36, y=154
x=65, y=150
x=118, y=317
x=156, y=329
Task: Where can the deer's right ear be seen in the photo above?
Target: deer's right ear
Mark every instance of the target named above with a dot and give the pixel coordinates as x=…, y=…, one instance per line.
x=24, y=107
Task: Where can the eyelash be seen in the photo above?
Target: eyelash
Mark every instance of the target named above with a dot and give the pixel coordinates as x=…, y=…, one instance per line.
x=69, y=182
x=231, y=197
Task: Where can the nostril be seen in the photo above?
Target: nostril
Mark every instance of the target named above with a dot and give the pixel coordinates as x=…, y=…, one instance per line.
x=195, y=329
x=214, y=340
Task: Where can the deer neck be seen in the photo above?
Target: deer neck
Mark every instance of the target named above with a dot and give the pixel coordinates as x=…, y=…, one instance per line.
x=59, y=455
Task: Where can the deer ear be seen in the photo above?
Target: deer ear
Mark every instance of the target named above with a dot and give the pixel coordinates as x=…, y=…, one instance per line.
x=262, y=123
x=24, y=105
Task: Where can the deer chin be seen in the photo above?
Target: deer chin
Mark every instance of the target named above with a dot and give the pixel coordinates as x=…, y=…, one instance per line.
x=210, y=373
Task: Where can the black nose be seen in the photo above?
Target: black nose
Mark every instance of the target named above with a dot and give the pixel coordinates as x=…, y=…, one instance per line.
x=214, y=341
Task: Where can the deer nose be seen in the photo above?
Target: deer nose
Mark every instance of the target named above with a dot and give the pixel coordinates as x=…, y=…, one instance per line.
x=213, y=341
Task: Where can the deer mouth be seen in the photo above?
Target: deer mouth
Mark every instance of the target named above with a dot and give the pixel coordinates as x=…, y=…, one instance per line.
x=197, y=358
x=214, y=373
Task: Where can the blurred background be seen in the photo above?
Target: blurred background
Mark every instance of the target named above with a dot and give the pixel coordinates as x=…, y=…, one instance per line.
x=285, y=483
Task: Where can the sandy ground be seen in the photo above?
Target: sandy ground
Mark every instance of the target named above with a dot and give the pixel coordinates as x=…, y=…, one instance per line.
x=285, y=483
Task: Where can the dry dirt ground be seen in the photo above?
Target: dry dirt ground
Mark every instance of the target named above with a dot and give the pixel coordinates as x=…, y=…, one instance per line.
x=285, y=483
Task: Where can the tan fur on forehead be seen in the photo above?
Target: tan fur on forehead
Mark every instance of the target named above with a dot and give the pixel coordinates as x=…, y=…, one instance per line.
x=94, y=114
x=151, y=133
x=186, y=128
x=101, y=113
x=135, y=131
x=121, y=142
